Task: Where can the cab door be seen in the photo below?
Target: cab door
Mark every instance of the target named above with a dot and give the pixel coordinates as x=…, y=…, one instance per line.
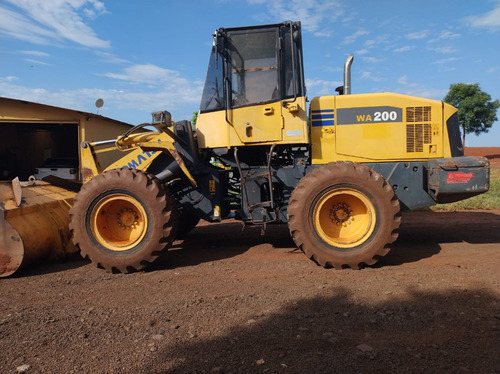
x=253, y=74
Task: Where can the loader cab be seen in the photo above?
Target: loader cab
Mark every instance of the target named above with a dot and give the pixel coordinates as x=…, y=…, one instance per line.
x=254, y=91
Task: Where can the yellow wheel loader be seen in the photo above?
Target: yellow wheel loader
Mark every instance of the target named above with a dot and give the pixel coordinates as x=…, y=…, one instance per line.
x=339, y=172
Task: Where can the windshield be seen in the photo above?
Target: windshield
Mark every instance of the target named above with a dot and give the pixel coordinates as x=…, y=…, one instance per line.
x=213, y=93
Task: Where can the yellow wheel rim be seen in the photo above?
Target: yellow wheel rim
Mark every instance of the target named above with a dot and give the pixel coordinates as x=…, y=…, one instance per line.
x=118, y=222
x=344, y=218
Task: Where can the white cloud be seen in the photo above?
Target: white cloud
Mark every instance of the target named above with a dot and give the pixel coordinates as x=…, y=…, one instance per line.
x=36, y=62
x=423, y=91
x=446, y=50
x=419, y=90
x=353, y=37
x=152, y=87
x=372, y=59
x=448, y=35
x=417, y=35
x=446, y=60
x=46, y=22
x=372, y=43
x=369, y=75
x=320, y=87
x=405, y=48
x=403, y=80
x=149, y=74
x=172, y=98
x=19, y=27
x=35, y=53
x=9, y=89
x=323, y=34
x=489, y=20
x=96, y=8
x=316, y=16
x=31, y=57
x=109, y=57
x=8, y=79
x=444, y=35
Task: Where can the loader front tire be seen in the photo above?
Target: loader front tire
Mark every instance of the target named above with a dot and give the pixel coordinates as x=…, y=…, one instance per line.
x=344, y=214
x=123, y=219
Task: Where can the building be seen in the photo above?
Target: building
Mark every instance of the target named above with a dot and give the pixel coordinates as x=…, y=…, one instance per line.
x=31, y=133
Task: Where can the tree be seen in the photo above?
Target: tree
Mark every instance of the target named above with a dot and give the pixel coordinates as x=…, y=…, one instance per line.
x=476, y=110
x=194, y=118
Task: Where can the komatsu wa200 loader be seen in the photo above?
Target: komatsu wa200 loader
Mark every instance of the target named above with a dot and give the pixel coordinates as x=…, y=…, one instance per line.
x=339, y=173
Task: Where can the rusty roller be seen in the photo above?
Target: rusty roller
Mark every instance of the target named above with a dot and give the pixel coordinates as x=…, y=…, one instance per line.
x=34, y=220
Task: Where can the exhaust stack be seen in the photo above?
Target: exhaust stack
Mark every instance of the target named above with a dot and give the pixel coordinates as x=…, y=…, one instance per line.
x=347, y=75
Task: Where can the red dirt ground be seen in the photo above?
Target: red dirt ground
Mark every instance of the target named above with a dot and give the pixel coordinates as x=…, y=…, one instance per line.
x=491, y=153
x=231, y=301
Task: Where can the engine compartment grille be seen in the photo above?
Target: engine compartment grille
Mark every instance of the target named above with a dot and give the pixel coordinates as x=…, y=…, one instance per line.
x=419, y=131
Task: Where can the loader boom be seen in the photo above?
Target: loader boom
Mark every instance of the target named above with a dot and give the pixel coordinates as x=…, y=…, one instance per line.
x=142, y=148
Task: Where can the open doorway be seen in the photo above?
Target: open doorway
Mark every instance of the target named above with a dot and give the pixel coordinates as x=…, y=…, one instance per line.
x=24, y=147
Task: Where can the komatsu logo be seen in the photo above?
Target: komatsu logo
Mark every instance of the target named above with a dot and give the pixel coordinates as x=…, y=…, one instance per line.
x=376, y=114
x=142, y=157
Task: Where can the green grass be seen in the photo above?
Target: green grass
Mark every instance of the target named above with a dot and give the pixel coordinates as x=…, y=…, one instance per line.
x=488, y=200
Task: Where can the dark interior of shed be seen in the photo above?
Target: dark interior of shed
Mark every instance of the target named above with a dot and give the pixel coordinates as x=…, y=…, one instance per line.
x=26, y=146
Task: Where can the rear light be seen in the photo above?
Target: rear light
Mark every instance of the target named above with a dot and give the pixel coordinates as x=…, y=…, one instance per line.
x=36, y=171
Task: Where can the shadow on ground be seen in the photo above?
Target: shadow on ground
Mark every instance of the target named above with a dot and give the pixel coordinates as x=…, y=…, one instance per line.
x=219, y=241
x=455, y=332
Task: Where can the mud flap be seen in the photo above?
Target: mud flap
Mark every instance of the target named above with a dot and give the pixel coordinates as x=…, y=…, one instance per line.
x=457, y=178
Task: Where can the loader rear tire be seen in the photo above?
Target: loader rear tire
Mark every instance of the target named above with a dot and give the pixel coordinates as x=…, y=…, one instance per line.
x=123, y=219
x=344, y=214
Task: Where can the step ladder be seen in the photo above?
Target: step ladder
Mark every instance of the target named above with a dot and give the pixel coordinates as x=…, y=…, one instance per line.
x=247, y=176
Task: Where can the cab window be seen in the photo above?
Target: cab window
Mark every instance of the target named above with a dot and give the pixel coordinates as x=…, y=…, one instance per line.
x=253, y=63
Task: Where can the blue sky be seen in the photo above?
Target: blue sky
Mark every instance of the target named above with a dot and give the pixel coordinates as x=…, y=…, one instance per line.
x=144, y=56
